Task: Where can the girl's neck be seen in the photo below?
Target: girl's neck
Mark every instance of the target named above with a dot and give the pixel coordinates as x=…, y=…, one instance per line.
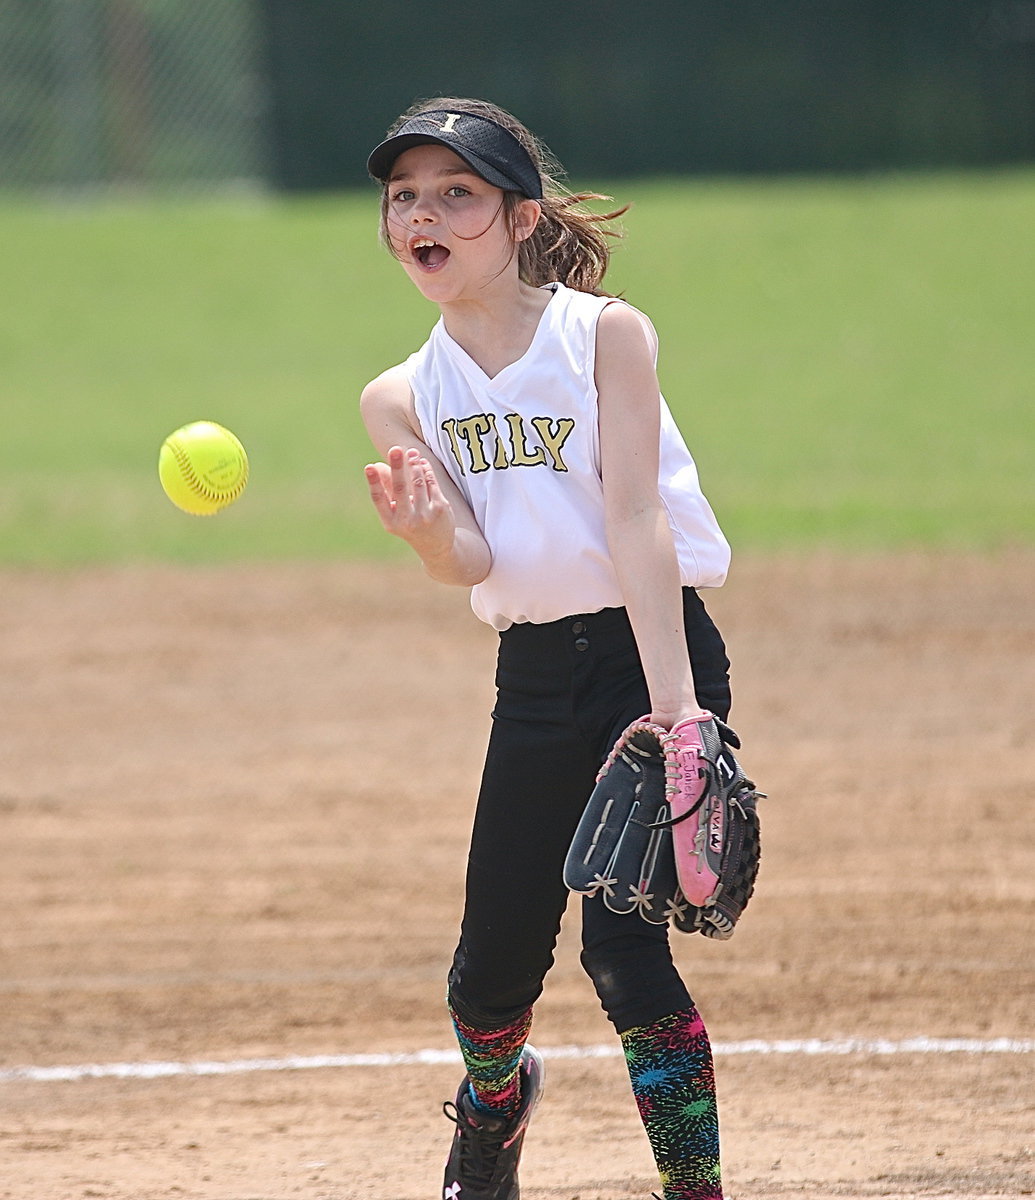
x=498, y=329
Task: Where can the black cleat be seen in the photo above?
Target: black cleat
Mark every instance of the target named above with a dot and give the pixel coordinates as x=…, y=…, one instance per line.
x=486, y=1150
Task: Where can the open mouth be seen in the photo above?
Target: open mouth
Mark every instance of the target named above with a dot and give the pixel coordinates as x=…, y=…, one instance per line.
x=430, y=254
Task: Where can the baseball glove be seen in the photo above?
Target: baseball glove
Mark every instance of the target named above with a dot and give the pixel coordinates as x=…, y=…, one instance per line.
x=671, y=829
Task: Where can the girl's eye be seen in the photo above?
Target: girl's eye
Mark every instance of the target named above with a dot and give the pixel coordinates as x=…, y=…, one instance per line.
x=458, y=190
x=402, y=195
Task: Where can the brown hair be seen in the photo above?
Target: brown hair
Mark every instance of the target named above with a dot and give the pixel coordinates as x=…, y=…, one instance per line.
x=570, y=243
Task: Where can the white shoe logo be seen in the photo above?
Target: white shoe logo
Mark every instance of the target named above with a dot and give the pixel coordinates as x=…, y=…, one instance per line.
x=451, y=1192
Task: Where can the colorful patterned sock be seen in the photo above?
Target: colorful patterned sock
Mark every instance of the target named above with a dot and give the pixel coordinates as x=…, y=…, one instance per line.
x=493, y=1058
x=670, y=1065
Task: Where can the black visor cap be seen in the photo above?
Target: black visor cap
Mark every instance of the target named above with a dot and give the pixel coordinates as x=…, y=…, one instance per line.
x=489, y=150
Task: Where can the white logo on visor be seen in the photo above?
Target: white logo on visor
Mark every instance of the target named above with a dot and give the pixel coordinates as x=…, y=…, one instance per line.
x=450, y=121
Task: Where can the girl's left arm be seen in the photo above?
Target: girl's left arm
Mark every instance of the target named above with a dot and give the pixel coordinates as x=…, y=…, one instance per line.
x=638, y=532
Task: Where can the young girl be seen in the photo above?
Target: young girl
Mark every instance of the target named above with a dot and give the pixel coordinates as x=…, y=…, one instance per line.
x=529, y=456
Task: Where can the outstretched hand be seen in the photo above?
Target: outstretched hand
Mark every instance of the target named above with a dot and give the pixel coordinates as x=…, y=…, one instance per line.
x=410, y=502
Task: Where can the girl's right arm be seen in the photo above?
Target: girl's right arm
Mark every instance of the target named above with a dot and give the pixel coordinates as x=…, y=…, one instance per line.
x=414, y=496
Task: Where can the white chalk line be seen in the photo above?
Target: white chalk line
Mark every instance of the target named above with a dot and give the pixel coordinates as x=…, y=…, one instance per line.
x=807, y=1046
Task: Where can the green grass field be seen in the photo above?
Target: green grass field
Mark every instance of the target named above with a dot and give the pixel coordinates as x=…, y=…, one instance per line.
x=852, y=361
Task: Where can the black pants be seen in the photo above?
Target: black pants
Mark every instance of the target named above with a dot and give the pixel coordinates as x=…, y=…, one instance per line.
x=566, y=690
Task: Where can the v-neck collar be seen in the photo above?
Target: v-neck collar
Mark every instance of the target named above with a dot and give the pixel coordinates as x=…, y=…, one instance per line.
x=474, y=371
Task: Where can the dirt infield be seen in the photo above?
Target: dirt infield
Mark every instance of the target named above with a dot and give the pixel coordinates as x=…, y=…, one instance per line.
x=197, y=769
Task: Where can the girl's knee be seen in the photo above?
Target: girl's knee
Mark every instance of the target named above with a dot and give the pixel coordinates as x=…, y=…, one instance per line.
x=483, y=1000
x=634, y=978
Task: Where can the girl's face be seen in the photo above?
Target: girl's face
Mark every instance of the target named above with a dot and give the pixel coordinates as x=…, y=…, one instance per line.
x=447, y=225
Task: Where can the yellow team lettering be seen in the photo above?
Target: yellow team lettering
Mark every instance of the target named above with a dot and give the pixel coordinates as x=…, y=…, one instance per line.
x=554, y=439
x=471, y=430
x=449, y=428
x=500, y=462
x=520, y=455
x=536, y=443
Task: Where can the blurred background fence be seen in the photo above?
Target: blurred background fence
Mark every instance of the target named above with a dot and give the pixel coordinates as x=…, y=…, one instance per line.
x=292, y=93
x=130, y=92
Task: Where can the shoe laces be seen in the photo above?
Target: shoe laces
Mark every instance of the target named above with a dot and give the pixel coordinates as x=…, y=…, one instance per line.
x=480, y=1144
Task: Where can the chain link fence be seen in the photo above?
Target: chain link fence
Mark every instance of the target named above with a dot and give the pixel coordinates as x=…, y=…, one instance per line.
x=151, y=94
x=132, y=93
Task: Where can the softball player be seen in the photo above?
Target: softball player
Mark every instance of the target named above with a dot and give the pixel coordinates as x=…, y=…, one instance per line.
x=528, y=455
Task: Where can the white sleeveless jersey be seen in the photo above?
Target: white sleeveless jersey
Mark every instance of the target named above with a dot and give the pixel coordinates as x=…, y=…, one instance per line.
x=524, y=449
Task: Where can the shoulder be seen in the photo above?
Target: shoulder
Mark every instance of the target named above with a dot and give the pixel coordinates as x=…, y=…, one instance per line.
x=626, y=349
x=386, y=406
x=626, y=328
x=611, y=326
x=390, y=390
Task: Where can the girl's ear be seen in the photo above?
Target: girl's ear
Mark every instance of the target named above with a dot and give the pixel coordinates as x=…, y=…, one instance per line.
x=526, y=218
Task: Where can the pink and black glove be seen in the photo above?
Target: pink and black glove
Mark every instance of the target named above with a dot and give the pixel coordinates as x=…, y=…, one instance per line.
x=671, y=829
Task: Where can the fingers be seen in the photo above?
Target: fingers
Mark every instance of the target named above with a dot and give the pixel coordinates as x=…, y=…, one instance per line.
x=399, y=465
x=419, y=481
x=409, y=480
x=404, y=489
x=435, y=494
x=378, y=480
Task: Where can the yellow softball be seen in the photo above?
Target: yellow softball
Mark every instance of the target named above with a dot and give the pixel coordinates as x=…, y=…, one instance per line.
x=203, y=468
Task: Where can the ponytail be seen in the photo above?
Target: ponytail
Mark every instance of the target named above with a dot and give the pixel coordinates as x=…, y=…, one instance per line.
x=570, y=243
